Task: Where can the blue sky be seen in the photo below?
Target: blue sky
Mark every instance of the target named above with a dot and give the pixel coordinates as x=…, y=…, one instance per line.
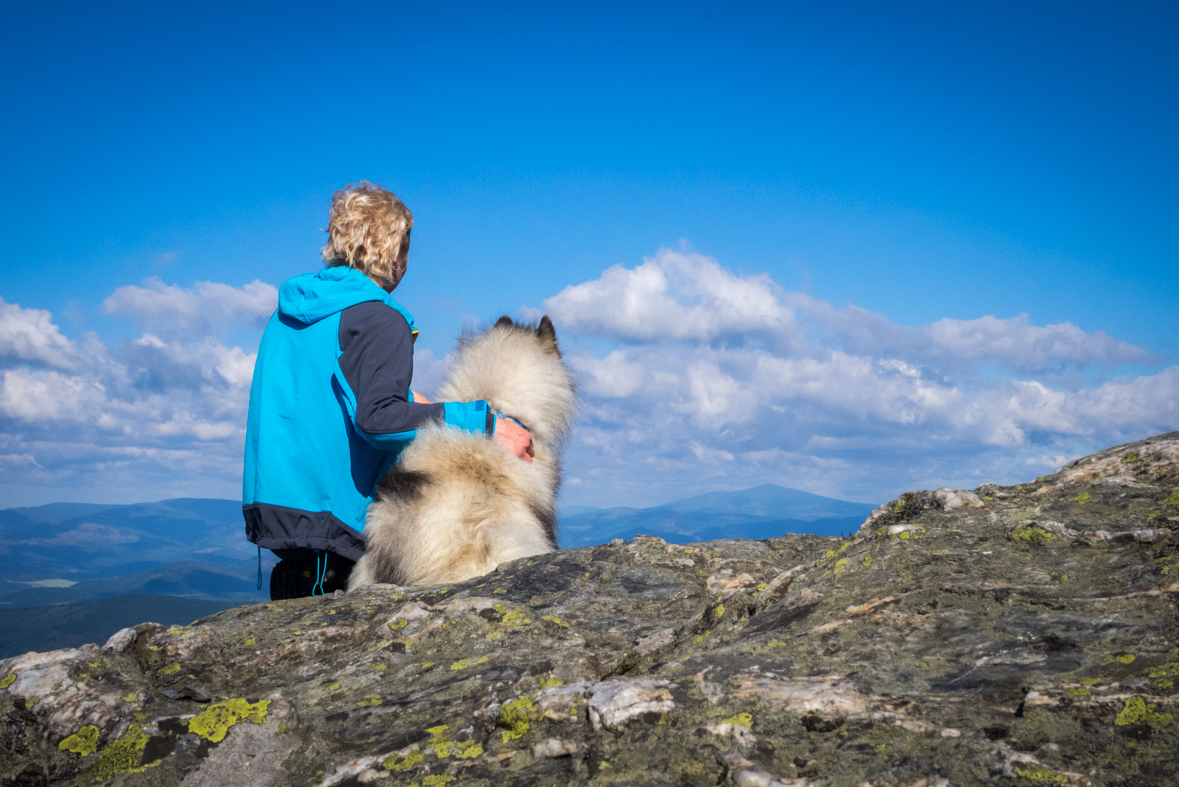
x=866, y=172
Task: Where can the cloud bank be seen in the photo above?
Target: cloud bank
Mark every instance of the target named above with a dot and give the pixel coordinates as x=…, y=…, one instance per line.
x=705, y=379
x=695, y=378
x=163, y=415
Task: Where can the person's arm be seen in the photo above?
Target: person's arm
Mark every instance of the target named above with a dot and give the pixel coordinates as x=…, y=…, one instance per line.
x=509, y=434
x=376, y=365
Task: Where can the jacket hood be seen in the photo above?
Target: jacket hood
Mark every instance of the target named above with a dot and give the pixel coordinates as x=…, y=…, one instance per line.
x=314, y=296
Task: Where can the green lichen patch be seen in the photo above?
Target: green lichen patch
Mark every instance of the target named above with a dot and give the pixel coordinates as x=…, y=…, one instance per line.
x=369, y=701
x=1034, y=535
x=7, y=680
x=1123, y=658
x=1133, y=459
x=513, y=718
x=170, y=669
x=1138, y=711
x=515, y=618
x=403, y=762
x=214, y=723
x=1083, y=498
x=84, y=742
x=121, y=756
x=445, y=747
x=1039, y=774
x=464, y=663
x=1167, y=564
x=740, y=720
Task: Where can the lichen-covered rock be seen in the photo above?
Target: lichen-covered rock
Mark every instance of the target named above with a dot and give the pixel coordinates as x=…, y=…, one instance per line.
x=1022, y=635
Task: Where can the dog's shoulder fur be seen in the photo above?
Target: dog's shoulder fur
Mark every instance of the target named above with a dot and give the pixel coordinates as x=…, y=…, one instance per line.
x=456, y=505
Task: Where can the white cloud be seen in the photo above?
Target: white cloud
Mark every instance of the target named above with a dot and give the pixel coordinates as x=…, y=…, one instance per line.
x=171, y=411
x=30, y=335
x=673, y=296
x=688, y=297
x=695, y=397
x=206, y=307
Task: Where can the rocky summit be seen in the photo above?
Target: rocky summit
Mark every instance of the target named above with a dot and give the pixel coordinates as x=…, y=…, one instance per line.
x=1006, y=635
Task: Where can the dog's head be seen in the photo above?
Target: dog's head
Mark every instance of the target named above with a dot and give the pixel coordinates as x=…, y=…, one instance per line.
x=517, y=368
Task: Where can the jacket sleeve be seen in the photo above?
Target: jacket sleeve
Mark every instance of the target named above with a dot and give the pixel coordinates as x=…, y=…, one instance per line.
x=375, y=367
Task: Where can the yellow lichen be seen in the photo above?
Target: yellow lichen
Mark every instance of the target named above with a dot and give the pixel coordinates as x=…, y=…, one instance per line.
x=251, y=641
x=464, y=663
x=740, y=720
x=168, y=670
x=1081, y=692
x=333, y=686
x=444, y=747
x=130, y=697
x=904, y=534
x=1138, y=710
x=120, y=756
x=867, y=560
x=1038, y=773
x=7, y=680
x=1090, y=681
x=1125, y=658
x=515, y=617
x=214, y=723
x=84, y=742
x=398, y=623
x=513, y=717
x=1034, y=535
x=841, y=565
x=400, y=762
x=557, y=620
x=379, y=667
x=719, y=612
x=369, y=701
x=700, y=638
x=437, y=780
x=1083, y=498
x=428, y=664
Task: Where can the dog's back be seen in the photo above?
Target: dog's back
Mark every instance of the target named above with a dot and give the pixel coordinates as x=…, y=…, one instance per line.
x=457, y=505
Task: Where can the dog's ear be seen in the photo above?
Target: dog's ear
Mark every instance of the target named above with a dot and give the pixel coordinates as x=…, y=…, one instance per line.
x=548, y=336
x=505, y=320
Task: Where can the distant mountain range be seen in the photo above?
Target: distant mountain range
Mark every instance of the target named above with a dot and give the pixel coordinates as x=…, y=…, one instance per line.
x=196, y=548
x=760, y=512
x=71, y=625
x=93, y=569
x=82, y=542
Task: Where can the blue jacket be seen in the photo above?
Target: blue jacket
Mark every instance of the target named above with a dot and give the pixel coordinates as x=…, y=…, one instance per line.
x=330, y=409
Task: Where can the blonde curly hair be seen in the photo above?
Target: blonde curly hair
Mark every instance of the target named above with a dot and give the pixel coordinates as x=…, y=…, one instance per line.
x=367, y=229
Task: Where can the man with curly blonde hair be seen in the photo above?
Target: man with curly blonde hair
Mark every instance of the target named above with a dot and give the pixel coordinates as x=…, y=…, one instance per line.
x=330, y=404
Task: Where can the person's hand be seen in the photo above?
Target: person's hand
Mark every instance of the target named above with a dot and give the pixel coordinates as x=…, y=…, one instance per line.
x=419, y=399
x=515, y=439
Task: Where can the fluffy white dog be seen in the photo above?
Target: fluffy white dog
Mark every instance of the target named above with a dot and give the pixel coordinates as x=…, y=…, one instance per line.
x=456, y=505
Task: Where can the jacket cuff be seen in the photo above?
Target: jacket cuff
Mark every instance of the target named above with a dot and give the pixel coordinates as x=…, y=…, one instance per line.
x=468, y=416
